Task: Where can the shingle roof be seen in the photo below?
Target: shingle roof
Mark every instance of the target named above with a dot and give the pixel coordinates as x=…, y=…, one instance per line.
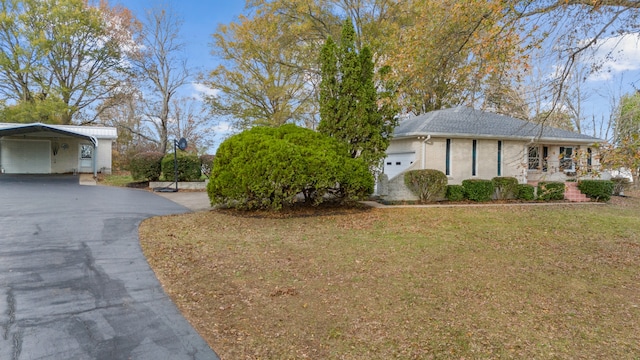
x=471, y=123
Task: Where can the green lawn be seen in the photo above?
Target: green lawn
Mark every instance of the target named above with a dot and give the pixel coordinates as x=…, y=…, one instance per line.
x=120, y=179
x=524, y=282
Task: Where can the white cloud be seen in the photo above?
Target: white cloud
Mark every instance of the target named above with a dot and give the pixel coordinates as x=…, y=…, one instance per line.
x=616, y=55
x=223, y=127
x=202, y=90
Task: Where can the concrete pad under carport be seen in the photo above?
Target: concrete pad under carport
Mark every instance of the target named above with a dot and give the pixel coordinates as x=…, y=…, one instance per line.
x=73, y=281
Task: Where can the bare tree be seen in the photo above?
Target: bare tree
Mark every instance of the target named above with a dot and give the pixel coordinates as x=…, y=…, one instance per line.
x=162, y=67
x=189, y=120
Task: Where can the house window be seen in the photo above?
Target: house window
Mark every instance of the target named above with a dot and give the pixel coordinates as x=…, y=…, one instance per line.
x=499, y=158
x=566, y=159
x=398, y=163
x=534, y=158
x=86, y=152
x=448, y=158
x=589, y=159
x=538, y=156
x=474, y=158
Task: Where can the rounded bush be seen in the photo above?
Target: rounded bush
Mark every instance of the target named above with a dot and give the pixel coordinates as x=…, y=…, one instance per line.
x=599, y=190
x=505, y=187
x=478, y=189
x=268, y=168
x=550, y=190
x=188, y=167
x=146, y=166
x=526, y=192
x=428, y=184
x=455, y=192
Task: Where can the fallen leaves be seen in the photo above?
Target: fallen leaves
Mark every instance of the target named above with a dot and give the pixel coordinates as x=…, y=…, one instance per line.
x=405, y=283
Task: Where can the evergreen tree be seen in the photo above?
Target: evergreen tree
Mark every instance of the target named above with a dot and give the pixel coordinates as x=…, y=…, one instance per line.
x=329, y=87
x=349, y=99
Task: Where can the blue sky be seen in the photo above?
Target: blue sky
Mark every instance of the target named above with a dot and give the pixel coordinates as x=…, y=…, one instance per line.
x=201, y=17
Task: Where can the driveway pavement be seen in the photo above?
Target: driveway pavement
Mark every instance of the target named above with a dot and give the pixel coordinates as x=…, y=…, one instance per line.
x=73, y=281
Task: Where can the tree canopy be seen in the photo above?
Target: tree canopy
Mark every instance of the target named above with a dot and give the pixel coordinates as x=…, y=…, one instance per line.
x=439, y=53
x=264, y=76
x=61, y=55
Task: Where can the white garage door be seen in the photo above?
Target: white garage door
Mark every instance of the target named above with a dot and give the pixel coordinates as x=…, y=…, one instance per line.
x=394, y=164
x=25, y=156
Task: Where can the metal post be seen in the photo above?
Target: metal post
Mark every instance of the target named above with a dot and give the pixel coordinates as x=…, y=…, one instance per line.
x=175, y=162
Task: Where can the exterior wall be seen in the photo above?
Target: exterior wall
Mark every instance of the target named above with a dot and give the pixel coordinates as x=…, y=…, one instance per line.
x=486, y=159
x=67, y=158
x=104, y=156
x=27, y=156
x=513, y=160
x=435, y=154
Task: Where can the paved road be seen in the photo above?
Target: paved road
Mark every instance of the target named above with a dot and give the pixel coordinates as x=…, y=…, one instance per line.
x=73, y=281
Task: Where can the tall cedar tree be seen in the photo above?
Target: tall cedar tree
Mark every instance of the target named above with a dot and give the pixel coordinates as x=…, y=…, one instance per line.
x=348, y=99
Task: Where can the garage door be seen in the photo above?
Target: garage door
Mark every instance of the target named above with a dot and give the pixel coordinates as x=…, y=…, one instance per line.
x=25, y=156
x=394, y=164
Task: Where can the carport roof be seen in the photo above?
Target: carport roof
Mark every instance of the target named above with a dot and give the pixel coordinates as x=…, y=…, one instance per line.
x=90, y=133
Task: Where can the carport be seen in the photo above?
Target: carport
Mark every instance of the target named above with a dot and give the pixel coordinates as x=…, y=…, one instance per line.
x=24, y=145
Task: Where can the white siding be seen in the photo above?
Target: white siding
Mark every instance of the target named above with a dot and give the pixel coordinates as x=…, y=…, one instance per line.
x=25, y=156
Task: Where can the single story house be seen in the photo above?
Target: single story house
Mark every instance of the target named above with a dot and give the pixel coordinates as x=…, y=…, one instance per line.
x=465, y=143
x=55, y=149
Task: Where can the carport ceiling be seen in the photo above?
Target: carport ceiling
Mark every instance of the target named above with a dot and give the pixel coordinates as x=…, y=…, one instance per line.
x=23, y=129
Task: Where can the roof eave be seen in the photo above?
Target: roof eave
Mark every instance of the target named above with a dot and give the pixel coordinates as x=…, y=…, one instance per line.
x=532, y=139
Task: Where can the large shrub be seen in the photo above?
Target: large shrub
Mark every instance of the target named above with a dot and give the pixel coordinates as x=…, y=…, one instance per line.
x=599, y=190
x=455, y=193
x=550, y=190
x=270, y=167
x=188, y=167
x=428, y=184
x=478, y=189
x=505, y=187
x=146, y=166
x=526, y=192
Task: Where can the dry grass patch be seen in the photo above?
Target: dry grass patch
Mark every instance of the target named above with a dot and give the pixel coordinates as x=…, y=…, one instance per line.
x=416, y=283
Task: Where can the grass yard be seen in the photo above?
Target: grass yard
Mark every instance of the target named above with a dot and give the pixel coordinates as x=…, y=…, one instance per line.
x=526, y=282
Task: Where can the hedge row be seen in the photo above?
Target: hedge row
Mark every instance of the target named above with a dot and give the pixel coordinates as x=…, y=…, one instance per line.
x=149, y=166
x=431, y=185
x=598, y=190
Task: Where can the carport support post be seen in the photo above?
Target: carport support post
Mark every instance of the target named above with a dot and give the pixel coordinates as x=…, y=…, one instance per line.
x=94, y=161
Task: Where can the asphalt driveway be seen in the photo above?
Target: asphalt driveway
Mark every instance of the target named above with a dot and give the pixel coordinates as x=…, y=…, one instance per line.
x=74, y=283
